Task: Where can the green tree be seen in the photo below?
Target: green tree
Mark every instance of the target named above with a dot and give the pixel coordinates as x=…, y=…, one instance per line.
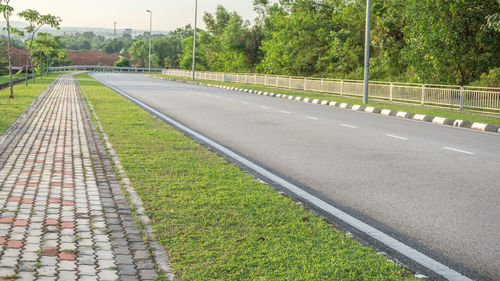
x=35, y=22
x=6, y=11
x=47, y=51
x=139, y=51
x=446, y=41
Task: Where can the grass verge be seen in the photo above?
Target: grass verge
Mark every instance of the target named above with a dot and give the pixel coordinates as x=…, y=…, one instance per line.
x=11, y=109
x=215, y=220
x=417, y=109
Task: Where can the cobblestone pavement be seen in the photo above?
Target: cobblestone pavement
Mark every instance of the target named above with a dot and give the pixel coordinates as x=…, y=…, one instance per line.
x=63, y=215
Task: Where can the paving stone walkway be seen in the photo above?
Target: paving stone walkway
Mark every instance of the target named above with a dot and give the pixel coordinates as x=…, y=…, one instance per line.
x=63, y=215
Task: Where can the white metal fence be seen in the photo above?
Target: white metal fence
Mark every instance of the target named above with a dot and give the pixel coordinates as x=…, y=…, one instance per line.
x=103, y=68
x=425, y=94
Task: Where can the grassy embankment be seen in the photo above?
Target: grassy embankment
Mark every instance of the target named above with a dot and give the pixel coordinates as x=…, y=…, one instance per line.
x=11, y=109
x=215, y=220
x=488, y=118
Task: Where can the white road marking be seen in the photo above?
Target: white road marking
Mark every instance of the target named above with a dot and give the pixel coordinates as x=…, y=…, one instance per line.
x=312, y=118
x=286, y=112
x=348, y=126
x=376, y=234
x=264, y=107
x=396, y=137
x=459, y=150
x=244, y=102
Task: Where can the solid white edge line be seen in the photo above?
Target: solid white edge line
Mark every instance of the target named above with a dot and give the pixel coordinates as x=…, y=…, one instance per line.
x=286, y=112
x=376, y=234
x=396, y=137
x=458, y=150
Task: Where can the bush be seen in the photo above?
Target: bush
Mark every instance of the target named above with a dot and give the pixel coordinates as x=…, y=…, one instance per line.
x=122, y=62
x=491, y=79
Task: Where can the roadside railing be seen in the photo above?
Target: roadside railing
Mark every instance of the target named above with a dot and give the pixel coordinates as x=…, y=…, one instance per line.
x=458, y=97
x=98, y=68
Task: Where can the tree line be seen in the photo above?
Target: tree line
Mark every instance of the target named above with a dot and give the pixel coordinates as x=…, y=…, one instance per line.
x=424, y=41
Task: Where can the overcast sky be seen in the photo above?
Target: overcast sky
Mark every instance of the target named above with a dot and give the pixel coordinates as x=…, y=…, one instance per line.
x=167, y=14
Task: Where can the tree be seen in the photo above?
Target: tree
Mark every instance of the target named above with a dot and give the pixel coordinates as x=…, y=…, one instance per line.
x=139, y=51
x=113, y=46
x=447, y=42
x=47, y=51
x=122, y=62
x=35, y=22
x=7, y=10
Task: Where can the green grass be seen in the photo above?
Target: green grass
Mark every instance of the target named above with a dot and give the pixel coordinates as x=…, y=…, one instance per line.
x=11, y=109
x=486, y=117
x=15, y=77
x=216, y=221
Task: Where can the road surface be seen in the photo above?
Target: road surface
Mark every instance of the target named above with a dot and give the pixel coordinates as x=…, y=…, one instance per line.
x=435, y=188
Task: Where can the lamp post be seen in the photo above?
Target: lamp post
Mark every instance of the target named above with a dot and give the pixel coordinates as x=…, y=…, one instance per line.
x=150, y=32
x=194, y=37
x=367, y=52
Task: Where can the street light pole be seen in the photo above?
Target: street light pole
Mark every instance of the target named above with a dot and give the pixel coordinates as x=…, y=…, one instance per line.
x=150, y=33
x=367, y=52
x=194, y=36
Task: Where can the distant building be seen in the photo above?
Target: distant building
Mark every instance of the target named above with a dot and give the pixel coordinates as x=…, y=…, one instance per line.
x=93, y=58
x=19, y=58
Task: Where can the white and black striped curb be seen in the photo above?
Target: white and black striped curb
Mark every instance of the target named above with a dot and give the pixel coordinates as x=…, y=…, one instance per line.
x=387, y=112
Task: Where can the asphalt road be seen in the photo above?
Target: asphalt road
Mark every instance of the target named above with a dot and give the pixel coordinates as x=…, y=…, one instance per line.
x=437, y=188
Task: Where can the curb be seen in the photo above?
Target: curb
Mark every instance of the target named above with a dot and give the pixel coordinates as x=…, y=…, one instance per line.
x=387, y=112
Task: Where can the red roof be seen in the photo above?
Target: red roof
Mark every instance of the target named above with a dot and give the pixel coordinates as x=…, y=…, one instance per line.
x=19, y=57
x=93, y=58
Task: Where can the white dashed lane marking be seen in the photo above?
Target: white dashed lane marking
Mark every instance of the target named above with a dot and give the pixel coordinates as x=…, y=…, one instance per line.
x=286, y=112
x=348, y=126
x=312, y=118
x=396, y=137
x=264, y=107
x=459, y=150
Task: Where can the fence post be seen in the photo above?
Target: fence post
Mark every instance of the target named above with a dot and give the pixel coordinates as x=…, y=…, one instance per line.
x=390, y=92
x=462, y=91
x=305, y=84
x=423, y=95
x=322, y=87
x=246, y=78
x=255, y=79
x=342, y=87
x=265, y=80
x=277, y=81
x=290, y=82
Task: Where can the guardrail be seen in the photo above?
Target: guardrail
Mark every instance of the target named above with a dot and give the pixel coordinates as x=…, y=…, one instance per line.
x=458, y=97
x=98, y=68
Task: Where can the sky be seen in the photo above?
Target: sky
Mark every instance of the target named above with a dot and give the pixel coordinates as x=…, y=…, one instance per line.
x=167, y=14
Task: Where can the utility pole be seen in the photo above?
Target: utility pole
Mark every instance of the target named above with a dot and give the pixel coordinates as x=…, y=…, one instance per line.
x=115, y=29
x=194, y=37
x=367, y=52
x=150, y=32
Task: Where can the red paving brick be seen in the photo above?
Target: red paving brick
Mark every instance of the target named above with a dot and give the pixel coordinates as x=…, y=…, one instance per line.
x=14, y=199
x=3, y=240
x=21, y=222
x=68, y=186
x=68, y=224
x=27, y=201
x=49, y=252
x=67, y=256
x=51, y=222
x=14, y=244
x=54, y=200
x=6, y=220
x=68, y=203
